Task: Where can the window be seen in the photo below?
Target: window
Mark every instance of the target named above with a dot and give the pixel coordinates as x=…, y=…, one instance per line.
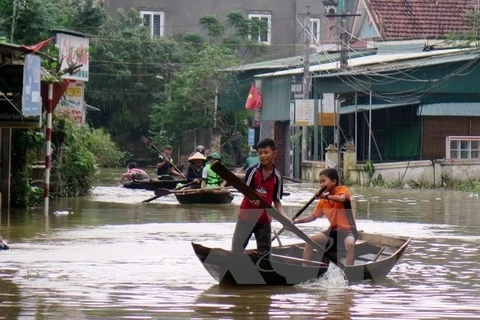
x=463, y=147
x=153, y=20
x=261, y=28
x=315, y=31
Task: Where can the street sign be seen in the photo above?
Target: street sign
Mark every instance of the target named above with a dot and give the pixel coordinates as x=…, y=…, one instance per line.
x=31, y=99
x=251, y=136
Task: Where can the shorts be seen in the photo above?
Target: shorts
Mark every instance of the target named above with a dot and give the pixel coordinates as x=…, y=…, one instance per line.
x=336, y=238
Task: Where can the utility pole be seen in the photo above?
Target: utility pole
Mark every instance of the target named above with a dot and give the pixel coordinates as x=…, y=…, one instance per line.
x=14, y=20
x=343, y=36
x=306, y=75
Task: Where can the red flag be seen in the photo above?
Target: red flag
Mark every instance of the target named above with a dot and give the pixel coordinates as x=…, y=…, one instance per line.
x=38, y=46
x=254, y=101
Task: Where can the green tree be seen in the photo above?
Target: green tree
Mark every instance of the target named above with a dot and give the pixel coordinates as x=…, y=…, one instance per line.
x=235, y=33
x=19, y=18
x=212, y=25
x=129, y=71
x=192, y=92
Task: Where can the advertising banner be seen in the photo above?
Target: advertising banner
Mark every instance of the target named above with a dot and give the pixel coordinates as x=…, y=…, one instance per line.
x=72, y=103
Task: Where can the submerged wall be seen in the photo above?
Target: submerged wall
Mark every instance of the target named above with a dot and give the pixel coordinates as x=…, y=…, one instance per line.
x=427, y=173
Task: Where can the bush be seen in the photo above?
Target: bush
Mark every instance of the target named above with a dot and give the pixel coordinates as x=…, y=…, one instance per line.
x=80, y=150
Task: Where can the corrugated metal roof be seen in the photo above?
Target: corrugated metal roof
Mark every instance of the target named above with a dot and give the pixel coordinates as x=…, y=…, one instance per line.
x=284, y=63
x=377, y=60
x=365, y=107
x=460, y=109
x=295, y=62
x=9, y=48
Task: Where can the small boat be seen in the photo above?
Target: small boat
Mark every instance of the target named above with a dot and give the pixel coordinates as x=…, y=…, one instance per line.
x=375, y=256
x=188, y=196
x=153, y=184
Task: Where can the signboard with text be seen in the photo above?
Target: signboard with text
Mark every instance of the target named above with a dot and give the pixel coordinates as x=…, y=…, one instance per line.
x=326, y=113
x=73, y=51
x=72, y=103
x=31, y=99
x=304, y=112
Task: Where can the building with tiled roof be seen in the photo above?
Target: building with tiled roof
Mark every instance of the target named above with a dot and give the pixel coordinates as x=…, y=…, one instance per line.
x=411, y=19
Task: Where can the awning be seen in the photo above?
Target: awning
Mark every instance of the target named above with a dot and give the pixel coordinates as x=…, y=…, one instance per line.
x=459, y=109
x=367, y=107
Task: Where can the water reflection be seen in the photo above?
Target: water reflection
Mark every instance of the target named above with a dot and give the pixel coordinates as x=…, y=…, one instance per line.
x=111, y=256
x=264, y=302
x=9, y=297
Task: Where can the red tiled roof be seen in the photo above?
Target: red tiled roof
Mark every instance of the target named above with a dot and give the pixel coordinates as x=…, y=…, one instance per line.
x=421, y=18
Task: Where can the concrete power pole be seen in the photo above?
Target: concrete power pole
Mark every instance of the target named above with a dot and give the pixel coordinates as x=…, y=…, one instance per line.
x=343, y=36
x=306, y=75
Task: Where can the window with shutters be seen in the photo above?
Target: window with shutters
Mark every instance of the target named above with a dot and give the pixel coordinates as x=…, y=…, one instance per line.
x=154, y=21
x=315, y=31
x=261, y=28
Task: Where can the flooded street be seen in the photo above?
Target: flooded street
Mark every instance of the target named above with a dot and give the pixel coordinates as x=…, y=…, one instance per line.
x=110, y=256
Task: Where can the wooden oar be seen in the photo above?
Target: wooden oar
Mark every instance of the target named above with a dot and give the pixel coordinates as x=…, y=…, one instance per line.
x=292, y=179
x=249, y=193
x=235, y=136
x=150, y=144
x=301, y=211
x=160, y=192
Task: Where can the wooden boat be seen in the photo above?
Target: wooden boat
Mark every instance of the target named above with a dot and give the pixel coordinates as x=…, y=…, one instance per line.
x=375, y=256
x=153, y=184
x=188, y=196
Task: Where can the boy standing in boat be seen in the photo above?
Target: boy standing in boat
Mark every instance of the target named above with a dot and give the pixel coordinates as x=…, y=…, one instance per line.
x=335, y=205
x=265, y=179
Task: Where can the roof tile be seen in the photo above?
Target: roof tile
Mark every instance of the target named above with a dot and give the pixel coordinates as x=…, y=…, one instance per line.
x=422, y=18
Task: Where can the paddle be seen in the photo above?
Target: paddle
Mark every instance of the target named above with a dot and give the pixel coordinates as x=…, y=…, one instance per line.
x=301, y=211
x=160, y=192
x=292, y=179
x=249, y=193
x=235, y=136
x=150, y=144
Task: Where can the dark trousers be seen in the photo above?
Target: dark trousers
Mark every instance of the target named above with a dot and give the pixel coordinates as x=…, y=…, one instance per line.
x=243, y=232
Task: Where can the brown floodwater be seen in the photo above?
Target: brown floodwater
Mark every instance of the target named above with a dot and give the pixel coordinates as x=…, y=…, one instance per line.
x=110, y=256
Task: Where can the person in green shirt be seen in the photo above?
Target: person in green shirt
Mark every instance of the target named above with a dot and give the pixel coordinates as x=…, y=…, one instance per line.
x=211, y=179
x=251, y=160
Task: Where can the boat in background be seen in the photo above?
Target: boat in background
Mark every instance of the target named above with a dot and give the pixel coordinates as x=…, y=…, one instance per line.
x=189, y=196
x=375, y=256
x=153, y=184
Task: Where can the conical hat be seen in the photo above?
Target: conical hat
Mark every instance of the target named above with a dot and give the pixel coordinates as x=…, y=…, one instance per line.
x=197, y=156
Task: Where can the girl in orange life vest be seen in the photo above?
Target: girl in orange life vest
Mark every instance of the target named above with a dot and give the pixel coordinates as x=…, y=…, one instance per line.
x=133, y=173
x=335, y=205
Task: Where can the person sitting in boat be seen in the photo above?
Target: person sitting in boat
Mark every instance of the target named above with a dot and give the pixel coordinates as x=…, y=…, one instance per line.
x=133, y=173
x=252, y=160
x=165, y=169
x=195, y=170
x=211, y=179
x=200, y=149
x=335, y=205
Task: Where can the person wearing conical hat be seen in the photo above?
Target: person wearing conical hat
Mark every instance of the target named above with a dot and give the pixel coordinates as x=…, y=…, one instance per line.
x=210, y=178
x=195, y=169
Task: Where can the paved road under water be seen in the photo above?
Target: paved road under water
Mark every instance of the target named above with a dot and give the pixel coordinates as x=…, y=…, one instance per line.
x=110, y=256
